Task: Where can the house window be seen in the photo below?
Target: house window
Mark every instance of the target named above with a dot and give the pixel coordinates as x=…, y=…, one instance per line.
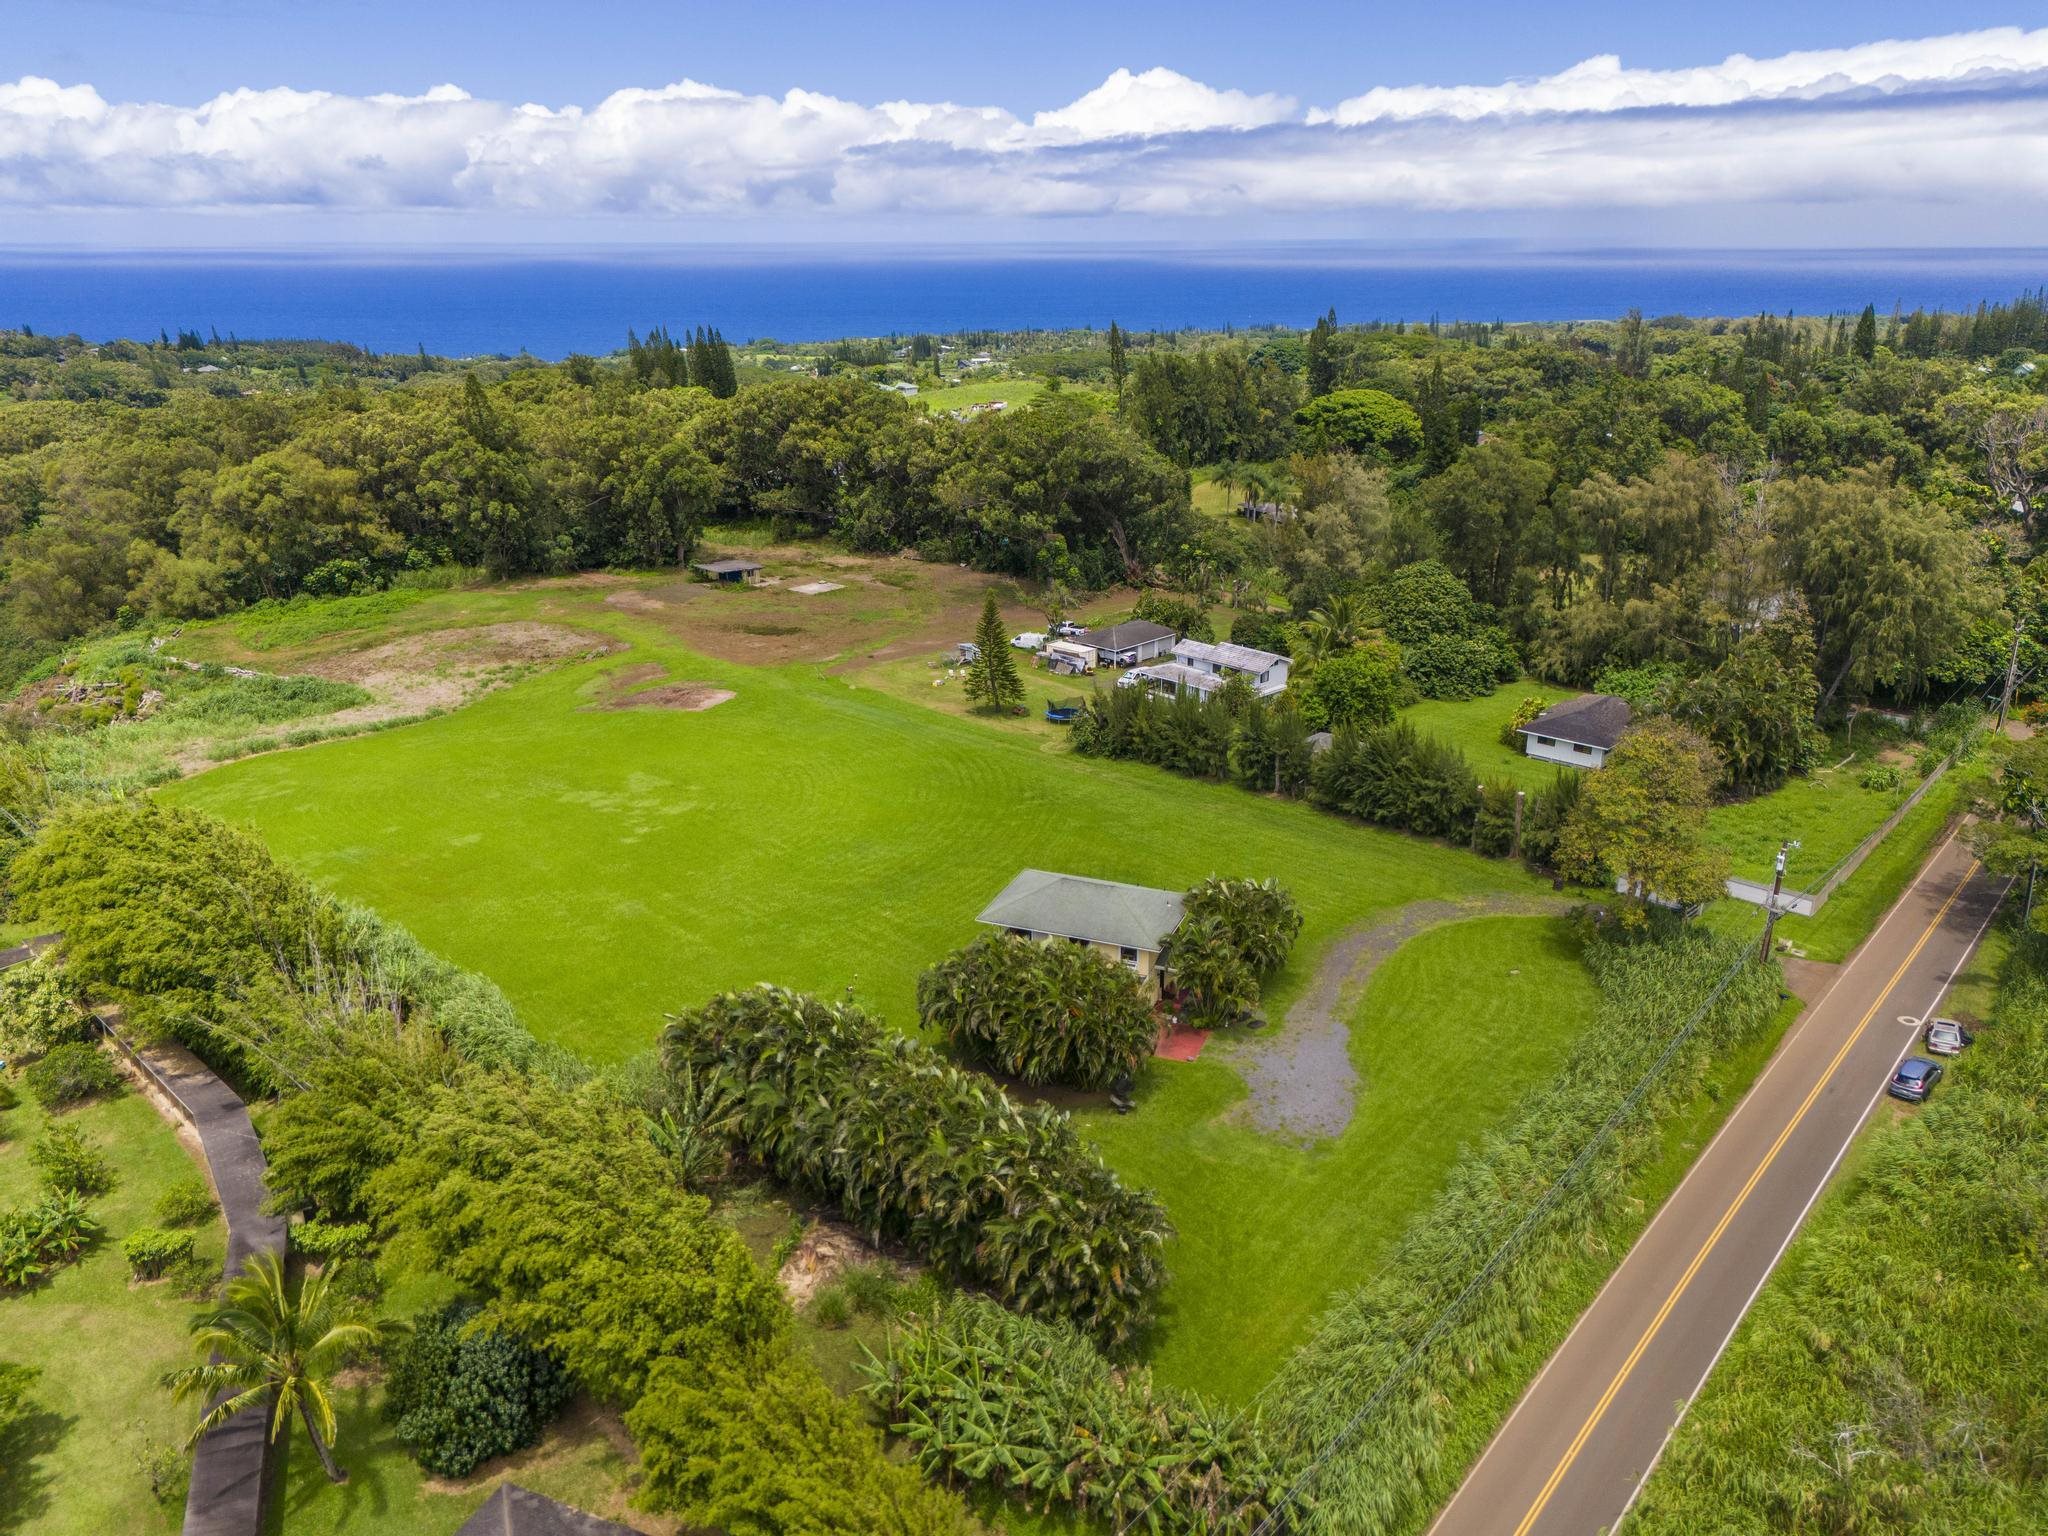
x=1129, y=956
x=1546, y=741
x=1020, y=933
x=1583, y=751
x=1082, y=942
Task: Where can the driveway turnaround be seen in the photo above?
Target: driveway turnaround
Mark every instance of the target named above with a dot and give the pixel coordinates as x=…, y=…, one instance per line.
x=1572, y=1456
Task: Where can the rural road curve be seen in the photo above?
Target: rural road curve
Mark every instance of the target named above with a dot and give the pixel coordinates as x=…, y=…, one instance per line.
x=1570, y=1459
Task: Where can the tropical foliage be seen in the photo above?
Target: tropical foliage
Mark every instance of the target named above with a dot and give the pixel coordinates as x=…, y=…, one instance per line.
x=1388, y=1471
x=271, y=1347
x=1043, y=1013
x=37, y=1238
x=152, y=1251
x=458, y=1394
x=1000, y=1196
x=1260, y=919
x=68, y=1162
x=36, y=1010
x=1643, y=819
x=1889, y=1378
x=1213, y=984
x=1032, y=1410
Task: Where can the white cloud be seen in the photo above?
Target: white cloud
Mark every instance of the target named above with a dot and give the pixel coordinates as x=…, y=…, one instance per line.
x=1960, y=120
x=1997, y=56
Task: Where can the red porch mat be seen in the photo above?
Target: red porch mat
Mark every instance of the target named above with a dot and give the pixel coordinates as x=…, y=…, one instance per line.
x=1179, y=1043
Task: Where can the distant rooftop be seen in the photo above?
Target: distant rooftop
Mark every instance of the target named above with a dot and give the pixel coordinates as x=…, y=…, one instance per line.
x=726, y=567
x=1076, y=907
x=513, y=1511
x=1122, y=636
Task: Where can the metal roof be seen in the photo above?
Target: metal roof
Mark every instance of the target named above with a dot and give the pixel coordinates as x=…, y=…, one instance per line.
x=1239, y=658
x=1590, y=720
x=1076, y=907
x=513, y=1511
x=1180, y=676
x=726, y=567
x=1121, y=637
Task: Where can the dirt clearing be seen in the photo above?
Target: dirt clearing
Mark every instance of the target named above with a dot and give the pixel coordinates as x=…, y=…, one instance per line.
x=444, y=669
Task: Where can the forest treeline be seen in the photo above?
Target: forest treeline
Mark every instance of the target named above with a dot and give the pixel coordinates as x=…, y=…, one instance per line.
x=1608, y=495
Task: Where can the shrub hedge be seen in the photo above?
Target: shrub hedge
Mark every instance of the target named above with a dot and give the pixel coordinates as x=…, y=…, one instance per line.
x=69, y=1163
x=1045, y=1013
x=151, y=1251
x=1000, y=1196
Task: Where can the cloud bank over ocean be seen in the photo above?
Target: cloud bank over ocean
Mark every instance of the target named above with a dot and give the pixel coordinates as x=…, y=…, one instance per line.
x=1959, y=121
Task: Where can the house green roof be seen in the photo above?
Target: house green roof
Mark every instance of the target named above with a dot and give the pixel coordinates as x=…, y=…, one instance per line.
x=1076, y=907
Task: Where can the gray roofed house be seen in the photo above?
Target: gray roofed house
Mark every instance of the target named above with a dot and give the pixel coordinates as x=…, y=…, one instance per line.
x=1579, y=732
x=728, y=570
x=1125, y=923
x=1266, y=671
x=1128, y=643
x=515, y=1511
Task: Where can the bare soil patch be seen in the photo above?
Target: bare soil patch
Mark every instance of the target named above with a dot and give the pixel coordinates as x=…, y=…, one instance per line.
x=683, y=696
x=1301, y=1081
x=444, y=669
x=827, y=1250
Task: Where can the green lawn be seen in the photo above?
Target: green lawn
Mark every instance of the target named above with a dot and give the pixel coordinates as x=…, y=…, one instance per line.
x=100, y=1341
x=607, y=867
x=1013, y=392
x=1473, y=726
x=1454, y=1029
x=1829, y=812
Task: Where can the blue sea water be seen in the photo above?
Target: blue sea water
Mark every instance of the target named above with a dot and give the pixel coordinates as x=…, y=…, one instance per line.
x=554, y=304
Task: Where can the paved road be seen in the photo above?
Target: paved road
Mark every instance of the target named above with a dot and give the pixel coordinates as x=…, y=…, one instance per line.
x=1570, y=1459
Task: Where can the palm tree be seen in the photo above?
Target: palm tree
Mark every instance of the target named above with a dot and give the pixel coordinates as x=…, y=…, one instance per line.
x=1337, y=626
x=266, y=1343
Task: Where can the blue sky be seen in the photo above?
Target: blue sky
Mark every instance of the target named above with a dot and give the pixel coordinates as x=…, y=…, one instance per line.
x=233, y=121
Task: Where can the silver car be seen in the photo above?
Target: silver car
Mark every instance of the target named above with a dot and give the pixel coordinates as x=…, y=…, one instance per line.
x=1946, y=1037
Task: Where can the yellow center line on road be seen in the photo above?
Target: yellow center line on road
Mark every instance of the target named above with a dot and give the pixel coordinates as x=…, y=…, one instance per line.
x=1727, y=1217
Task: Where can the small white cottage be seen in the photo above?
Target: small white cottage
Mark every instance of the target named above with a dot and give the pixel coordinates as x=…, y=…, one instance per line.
x=1579, y=732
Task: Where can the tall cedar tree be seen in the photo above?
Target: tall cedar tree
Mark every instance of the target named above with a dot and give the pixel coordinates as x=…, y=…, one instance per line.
x=992, y=679
x=1119, y=363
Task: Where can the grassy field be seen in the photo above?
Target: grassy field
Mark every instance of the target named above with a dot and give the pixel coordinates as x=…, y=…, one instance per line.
x=606, y=866
x=957, y=397
x=100, y=1341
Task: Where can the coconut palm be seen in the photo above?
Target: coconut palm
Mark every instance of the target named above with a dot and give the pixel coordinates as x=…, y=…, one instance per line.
x=1335, y=627
x=265, y=1343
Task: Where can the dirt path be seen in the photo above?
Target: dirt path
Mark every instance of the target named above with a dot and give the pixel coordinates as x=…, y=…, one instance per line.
x=1302, y=1083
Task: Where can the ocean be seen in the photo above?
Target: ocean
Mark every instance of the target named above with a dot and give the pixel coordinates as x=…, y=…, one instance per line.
x=552, y=304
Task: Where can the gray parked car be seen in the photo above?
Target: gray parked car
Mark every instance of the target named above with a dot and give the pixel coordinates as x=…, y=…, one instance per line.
x=1946, y=1037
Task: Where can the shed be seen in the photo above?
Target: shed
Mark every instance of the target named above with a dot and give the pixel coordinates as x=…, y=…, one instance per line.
x=1579, y=732
x=513, y=1511
x=1128, y=924
x=1067, y=656
x=1127, y=644
x=729, y=570
x=1172, y=679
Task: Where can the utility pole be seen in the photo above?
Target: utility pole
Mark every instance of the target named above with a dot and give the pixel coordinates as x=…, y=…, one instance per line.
x=2012, y=672
x=1771, y=906
x=1520, y=795
x=1478, y=807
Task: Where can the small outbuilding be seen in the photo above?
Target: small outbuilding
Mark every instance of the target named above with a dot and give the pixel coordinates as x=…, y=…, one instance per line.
x=1129, y=643
x=1579, y=732
x=1069, y=657
x=513, y=1511
x=745, y=571
x=1125, y=923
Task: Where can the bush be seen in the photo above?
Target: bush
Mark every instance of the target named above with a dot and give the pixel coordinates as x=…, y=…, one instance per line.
x=460, y=1394
x=151, y=1251
x=328, y=1241
x=1458, y=666
x=36, y=1239
x=186, y=1203
x=1526, y=709
x=69, y=1163
x=1882, y=776
x=1031, y=1410
x=1260, y=919
x=1397, y=777
x=1184, y=618
x=775, y=1452
x=36, y=1012
x=1045, y=1013
x=71, y=1074
x=1002, y=1196
x=1354, y=689
x=1261, y=631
